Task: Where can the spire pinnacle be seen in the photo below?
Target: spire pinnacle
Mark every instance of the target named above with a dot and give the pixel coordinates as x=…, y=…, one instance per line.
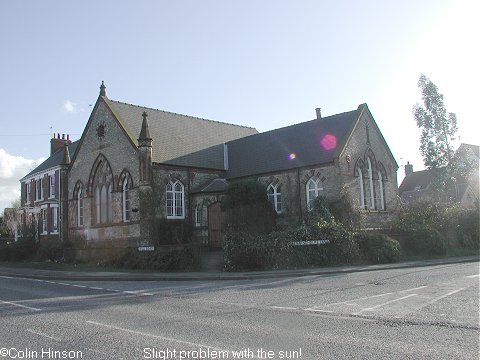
x=66, y=155
x=103, y=91
x=145, y=132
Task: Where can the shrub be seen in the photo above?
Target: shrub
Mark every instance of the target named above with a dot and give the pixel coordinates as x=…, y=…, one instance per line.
x=425, y=240
x=464, y=224
x=247, y=207
x=244, y=251
x=346, y=210
x=378, y=248
x=18, y=251
x=49, y=250
x=175, y=260
x=173, y=232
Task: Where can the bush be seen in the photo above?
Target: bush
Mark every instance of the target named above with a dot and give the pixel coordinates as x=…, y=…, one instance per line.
x=21, y=250
x=464, y=224
x=378, y=248
x=186, y=259
x=247, y=207
x=173, y=232
x=244, y=251
x=49, y=251
x=425, y=240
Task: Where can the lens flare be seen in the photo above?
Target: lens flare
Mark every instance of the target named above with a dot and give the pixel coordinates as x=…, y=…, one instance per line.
x=292, y=156
x=329, y=142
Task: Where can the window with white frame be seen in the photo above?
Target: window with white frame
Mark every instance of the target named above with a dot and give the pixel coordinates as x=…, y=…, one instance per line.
x=51, y=186
x=361, y=189
x=54, y=217
x=44, y=220
x=80, y=207
x=126, y=199
x=370, y=183
x=313, y=190
x=39, y=189
x=29, y=194
x=175, y=201
x=380, y=189
x=198, y=215
x=103, y=193
x=274, y=196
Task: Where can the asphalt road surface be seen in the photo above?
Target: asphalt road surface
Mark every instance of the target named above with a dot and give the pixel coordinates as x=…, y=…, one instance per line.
x=412, y=313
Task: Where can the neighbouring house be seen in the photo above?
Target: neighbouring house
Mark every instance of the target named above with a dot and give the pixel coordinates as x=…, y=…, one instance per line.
x=418, y=184
x=137, y=172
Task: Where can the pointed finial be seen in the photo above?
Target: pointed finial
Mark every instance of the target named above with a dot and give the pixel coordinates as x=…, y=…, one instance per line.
x=144, y=132
x=103, y=91
x=66, y=155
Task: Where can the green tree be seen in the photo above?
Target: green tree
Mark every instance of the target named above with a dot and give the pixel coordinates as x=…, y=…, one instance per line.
x=438, y=126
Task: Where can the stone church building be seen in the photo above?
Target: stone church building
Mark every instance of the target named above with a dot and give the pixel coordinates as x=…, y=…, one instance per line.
x=135, y=168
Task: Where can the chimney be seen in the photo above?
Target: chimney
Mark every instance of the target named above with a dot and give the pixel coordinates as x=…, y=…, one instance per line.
x=319, y=113
x=408, y=169
x=57, y=142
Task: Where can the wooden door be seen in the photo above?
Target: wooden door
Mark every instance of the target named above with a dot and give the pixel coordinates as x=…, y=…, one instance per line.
x=216, y=220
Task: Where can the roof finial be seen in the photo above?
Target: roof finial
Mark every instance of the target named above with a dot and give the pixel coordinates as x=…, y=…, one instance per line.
x=66, y=155
x=144, y=132
x=103, y=91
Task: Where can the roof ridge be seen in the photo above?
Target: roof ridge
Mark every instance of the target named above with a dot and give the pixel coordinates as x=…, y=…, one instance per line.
x=296, y=124
x=174, y=113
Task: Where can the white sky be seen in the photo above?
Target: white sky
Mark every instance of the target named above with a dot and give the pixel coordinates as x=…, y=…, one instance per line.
x=265, y=64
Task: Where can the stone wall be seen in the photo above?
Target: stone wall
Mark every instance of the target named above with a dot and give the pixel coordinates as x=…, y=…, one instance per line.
x=115, y=148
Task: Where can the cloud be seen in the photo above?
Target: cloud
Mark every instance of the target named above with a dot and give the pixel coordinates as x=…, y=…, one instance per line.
x=12, y=169
x=69, y=106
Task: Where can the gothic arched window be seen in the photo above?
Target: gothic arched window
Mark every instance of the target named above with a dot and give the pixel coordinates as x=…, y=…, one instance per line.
x=102, y=190
x=175, y=200
x=275, y=197
x=313, y=190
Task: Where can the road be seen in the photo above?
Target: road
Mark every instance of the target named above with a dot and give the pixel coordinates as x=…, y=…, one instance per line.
x=411, y=313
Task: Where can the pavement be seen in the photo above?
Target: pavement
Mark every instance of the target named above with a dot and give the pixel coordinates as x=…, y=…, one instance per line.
x=25, y=272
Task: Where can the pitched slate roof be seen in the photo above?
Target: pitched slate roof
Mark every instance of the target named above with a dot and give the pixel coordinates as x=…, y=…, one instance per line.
x=214, y=186
x=179, y=139
x=54, y=160
x=305, y=144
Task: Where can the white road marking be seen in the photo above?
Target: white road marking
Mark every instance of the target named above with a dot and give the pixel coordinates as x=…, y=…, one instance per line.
x=417, y=288
x=20, y=305
x=95, y=288
x=350, y=301
x=443, y=296
x=320, y=310
x=473, y=276
x=79, y=286
x=43, y=334
x=383, y=304
x=141, y=333
x=284, y=308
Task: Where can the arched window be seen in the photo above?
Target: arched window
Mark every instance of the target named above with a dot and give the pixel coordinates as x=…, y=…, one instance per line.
x=370, y=183
x=275, y=197
x=361, y=188
x=313, y=190
x=175, y=200
x=126, y=199
x=80, y=207
x=78, y=195
x=380, y=189
x=102, y=189
x=198, y=215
